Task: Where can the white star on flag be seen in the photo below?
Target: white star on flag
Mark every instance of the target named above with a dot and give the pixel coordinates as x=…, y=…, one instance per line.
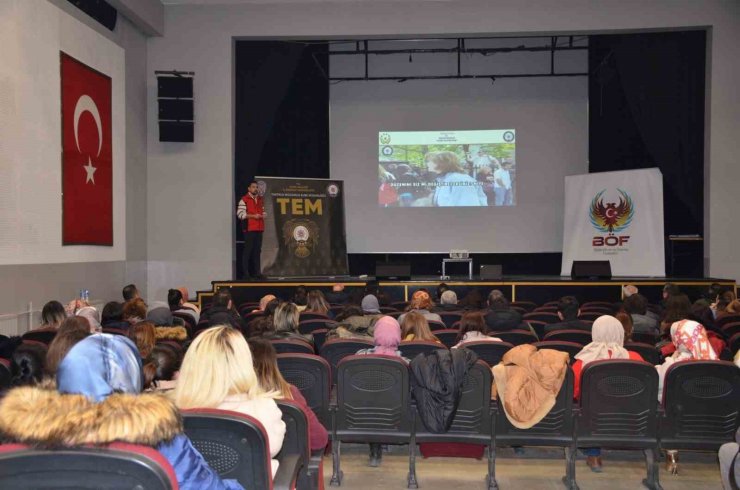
x=90, y=171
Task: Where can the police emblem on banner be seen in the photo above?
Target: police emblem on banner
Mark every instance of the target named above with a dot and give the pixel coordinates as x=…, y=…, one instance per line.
x=300, y=236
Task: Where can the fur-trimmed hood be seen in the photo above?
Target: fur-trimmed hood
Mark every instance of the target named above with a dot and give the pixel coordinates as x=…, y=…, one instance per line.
x=46, y=418
x=171, y=333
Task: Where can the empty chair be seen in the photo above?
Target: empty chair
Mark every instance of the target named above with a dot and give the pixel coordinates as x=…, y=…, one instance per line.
x=618, y=410
x=555, y=429
x=45, y=336
x=311, y=374
x=643, y=338
x=538, y=327
x=118, y=465
x=490, y=352
x=578, y=336
x=472, y=420
x=450, y=317
x=235, y=446
x=337, y=349
x=646, y=351
x=286, y=346
x=411, y=348
x=542, y=316
x=308, y=326
x=372, y=405
x=701, y=405
x=448, y=336
x=516, y=337
x=570, y=347
x=434, y=325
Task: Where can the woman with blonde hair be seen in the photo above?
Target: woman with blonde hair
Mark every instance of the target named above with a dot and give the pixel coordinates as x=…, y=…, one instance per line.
x=416, y=327
x=217, y=372
x=316, y=303
x=285, y=321
x=453, y=187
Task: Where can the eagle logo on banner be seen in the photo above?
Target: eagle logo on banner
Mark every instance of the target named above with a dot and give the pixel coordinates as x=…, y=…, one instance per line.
x=611, y=217
x=301, y=236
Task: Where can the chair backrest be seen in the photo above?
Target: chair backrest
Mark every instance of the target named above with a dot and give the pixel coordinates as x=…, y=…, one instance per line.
x=551, y=304
x=373, y=399
x=598, y=304
x=602, y=310
x=337, y=349
x=644, y=338
x=450, y=317
x=309, y=315
x=538, y=327
x=253, y=315
x=519, y=309
x=701, y=401
x=577, y=336
x=527, y=305
x=646, y=351
x=724, y=320
x=311, y=374
x=395, y=314
x=413, y=348
x=388, y=309
x=400, y=305
x=434, y=325
x=731, y=329
x=188, y=319
x=235, y=445
x=618, y=404
x=591, y=315
x=336, y=309
x=447, y=336
x=287, y=346
x=296, y=440
x=45, y=336
x=119, y=465
x=555, y=429
x=319, y=337
x=546, y=309
x=308, y=326
x=488, y=351
x=5, y=374
x=570, y=347
x=515, y=337
x=734, y=344
x=542, y=316
x=472, y=420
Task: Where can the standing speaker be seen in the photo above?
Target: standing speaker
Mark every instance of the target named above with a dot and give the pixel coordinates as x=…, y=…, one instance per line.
x=391, y=270
x=176, y=115
x=591, y=269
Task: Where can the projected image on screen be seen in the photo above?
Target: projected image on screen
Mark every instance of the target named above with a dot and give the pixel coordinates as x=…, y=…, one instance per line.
x=446, y=168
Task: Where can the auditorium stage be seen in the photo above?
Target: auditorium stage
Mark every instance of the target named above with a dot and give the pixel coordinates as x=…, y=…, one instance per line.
x=538, y=289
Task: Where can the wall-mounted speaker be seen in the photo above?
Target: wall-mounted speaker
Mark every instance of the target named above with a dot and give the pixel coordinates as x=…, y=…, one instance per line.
x=392, y=270
x=591, y=269
x=176, y=107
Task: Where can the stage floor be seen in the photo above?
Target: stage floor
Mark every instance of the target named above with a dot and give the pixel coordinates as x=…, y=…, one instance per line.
x=539, y=289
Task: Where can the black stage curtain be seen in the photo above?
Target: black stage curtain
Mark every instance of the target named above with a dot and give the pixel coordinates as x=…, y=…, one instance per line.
x=281, y=111
x=646, y=109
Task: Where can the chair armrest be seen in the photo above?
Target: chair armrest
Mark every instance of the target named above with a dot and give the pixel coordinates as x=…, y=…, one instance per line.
x=333, y=399
x=287, y=473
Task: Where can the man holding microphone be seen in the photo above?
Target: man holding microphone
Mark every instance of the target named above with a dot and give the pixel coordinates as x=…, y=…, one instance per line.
x=251, y=210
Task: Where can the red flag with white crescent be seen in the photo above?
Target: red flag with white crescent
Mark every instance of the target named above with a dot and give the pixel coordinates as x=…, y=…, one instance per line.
x=87, y=155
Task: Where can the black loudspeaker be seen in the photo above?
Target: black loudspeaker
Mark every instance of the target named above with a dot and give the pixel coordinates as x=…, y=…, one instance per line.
x=100, y=10
x=391, y=270
x=176, y=115
x=591, y=269
x=490, y=271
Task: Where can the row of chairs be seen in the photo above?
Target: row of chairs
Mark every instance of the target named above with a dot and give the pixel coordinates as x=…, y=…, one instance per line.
x=618, y=409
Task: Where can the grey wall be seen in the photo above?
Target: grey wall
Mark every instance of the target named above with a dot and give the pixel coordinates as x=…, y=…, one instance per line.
x=22, y=285
x=199, y=38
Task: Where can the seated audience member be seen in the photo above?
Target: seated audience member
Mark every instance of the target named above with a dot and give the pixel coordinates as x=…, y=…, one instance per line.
x=144, y=336
x=176, y=304
x=422, y=303
x=217, y=372
x=97, y=377
x=316, y=303
x=270, y=379
x=626, y=320
x=92, y=315
x=441, y=289
x=300, y=298
x=447, y=302
x=370, y=305
x=386, y=337
x=416, y=327
x=186, y=300
x=352, y=323
x=337, y=295
x=568, y=311
x=692, y=344
x=264, y=324
x=168, y=326
x=72, y=330
x=130, y=293
x=285, y=323
x=669, y=290
x=27, y=365
x=636, y=306
x=112, y=316
x=729, y=463
x=473, y=328
x=134, y=311
x=52, y=315
x=702, y=313
x=222, y=311
x=732, y=308
x=472, y=301
x=677, y=307
x=166, y=361
x=501, y=318
x=607, y=342
x=264, y=301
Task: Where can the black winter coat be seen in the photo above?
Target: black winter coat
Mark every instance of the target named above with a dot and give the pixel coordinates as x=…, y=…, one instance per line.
x=436, y=382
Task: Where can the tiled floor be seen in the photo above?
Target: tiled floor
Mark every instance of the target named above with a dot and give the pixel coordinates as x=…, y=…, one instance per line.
x=534, y=470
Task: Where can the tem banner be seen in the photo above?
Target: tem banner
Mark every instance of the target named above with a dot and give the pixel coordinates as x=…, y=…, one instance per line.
x=615, y=216
x=304, y=229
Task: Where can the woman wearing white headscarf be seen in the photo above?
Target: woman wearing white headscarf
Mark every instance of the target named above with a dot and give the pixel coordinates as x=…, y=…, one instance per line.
x=607, y=342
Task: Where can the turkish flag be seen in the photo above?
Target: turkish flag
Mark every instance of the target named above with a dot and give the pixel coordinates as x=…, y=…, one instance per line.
x=87, y=155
